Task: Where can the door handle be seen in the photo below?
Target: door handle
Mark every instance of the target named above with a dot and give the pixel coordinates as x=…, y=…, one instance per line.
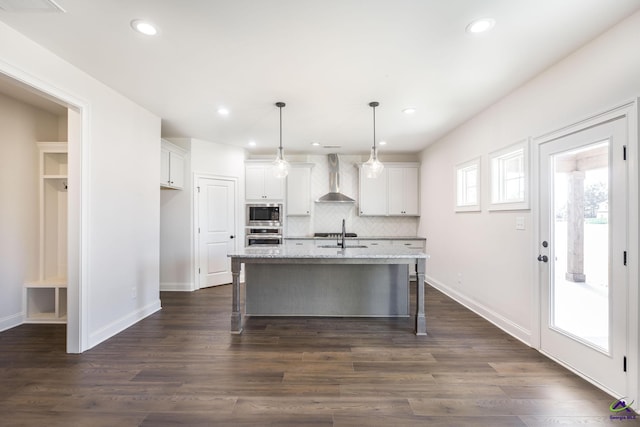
x=232, y=237
x=543, y=258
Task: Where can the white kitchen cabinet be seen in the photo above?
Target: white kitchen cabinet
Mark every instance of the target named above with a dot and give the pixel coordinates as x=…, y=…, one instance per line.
x=395, y=192
x=299, y=243
x=45, y=298
x=299, y=190
x=373, y=194
x=403, y=190
x=413, y=244
x=260, y=184
x=45, y=301
x=172, y=166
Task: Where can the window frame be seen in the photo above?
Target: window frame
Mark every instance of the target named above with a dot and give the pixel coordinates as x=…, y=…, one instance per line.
x=498, y=177
x=460, y=169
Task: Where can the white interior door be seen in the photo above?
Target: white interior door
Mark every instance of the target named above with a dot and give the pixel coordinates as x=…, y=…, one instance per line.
x=583, y=229
x=216, y=234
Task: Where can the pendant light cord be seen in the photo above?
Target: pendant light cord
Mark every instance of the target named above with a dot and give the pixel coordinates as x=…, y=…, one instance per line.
x=280, y=128
x=280, y=105
x=374, y=127
x=373, y=105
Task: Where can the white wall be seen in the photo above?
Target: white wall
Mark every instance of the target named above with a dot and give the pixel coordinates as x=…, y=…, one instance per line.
x=21, y=125
x=119, y=160
x=481, y=258
x=176, y=231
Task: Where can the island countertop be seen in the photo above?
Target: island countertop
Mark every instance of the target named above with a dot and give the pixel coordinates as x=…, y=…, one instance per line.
x=301, y=253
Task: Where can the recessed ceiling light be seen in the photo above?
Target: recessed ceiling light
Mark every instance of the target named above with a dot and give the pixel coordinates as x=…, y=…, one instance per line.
x=144, y=27
x=315, y=144
x=223, y=111
x=480, y=25
x=409, y=110
x=252, y=144
x=382, y=142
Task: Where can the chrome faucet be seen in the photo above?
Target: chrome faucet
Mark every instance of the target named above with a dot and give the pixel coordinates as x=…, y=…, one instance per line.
x=344, y=233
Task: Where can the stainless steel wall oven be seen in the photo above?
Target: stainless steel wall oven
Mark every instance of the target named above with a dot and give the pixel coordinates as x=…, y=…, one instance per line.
x=264, y=236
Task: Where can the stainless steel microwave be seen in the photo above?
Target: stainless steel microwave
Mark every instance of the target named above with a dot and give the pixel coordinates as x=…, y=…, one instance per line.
x=265, y=214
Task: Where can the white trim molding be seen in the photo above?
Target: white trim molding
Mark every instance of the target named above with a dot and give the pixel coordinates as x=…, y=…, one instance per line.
x=79, y=160
x=12, y=321
x=177, y=287
x=123, y=323
x=513, y=329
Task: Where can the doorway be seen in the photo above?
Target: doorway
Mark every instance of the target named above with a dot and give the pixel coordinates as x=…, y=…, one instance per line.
x=583, y=228
x=215, y=230
x=30, y=90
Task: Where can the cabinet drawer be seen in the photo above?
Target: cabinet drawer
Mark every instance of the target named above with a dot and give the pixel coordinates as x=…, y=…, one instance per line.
x=302, y=243
x=377, y=243
x=411, y=244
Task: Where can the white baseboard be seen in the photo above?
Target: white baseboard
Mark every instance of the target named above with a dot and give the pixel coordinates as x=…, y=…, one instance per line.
x=11, y=321
x=500, y=321
x=177, y=286
x=122, y=324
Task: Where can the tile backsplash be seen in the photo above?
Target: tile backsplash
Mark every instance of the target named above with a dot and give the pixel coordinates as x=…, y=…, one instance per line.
x=327, y=217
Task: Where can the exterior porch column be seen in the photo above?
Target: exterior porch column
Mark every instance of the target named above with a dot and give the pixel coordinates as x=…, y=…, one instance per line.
x=575, y=227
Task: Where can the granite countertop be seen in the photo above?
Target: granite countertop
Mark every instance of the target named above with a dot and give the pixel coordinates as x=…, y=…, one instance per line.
x=295, y=252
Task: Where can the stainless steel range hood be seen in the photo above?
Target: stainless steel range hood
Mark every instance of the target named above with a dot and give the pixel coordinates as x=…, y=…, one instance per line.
x=334, y=195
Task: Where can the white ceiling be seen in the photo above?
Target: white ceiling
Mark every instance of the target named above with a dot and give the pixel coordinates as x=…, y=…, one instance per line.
x=325, y=59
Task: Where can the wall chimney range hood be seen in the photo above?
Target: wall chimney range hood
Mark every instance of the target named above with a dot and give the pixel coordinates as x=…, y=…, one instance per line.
x=334, y=195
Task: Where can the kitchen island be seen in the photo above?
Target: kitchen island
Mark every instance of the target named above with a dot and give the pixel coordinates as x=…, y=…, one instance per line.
x=287, y=280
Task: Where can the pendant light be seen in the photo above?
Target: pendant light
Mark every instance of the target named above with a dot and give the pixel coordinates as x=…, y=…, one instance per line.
x=373, y=167
x=280, y=165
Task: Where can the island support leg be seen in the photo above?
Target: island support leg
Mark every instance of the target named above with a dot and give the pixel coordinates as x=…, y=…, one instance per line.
x=421, y=321
x=236, y=313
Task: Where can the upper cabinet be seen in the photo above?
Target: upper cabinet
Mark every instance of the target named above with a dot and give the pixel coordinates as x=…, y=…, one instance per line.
x=172, y=166
x=260, y=184
x=396, y=192
x=299, y=189
x=373, y=194
x=403, y=190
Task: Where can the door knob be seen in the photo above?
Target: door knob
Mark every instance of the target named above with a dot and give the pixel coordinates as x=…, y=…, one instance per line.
x=232, y=237
x=543, y=258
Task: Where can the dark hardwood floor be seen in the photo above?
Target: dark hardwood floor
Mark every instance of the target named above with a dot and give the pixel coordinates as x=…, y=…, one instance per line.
x=182, y=367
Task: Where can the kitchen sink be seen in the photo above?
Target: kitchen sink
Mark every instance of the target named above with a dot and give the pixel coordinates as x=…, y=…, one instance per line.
x=340, y=247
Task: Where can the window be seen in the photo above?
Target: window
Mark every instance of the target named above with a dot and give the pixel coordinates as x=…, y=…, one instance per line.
x=468, y=186
x=510, y=177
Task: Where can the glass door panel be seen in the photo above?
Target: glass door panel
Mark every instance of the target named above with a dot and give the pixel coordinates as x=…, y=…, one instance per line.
x=580, y=279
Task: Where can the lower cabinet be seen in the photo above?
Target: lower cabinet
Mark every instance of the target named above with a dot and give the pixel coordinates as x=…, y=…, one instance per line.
x=417, y=245
x=45, y=302
x=300, y=243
